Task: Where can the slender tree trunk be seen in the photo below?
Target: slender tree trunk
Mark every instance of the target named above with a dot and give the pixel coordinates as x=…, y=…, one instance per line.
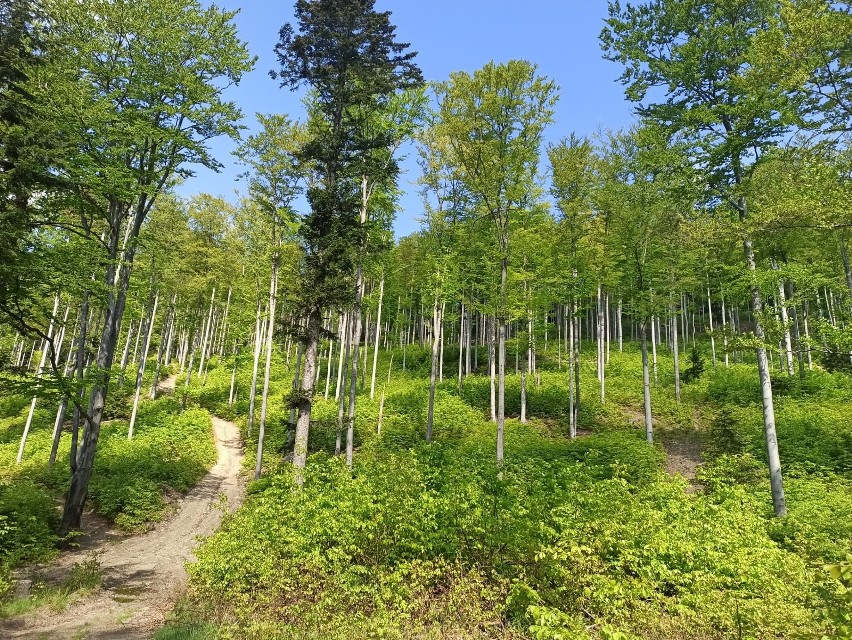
x=303, y=422
x=461, y=349
x=160, y=350
x=258, y=344
x=775, y=478
x=233, y=376
x=141, y=371
x=63, y=403
x=501, y=355
x=710, y=320
x=572, y=400
x=341, y=382
x=126, y=354
x=601, y=352
x=206, y=335
x=270, y=335
x=675, y=353
x=646, y=382
x=114, y=311
x=436, y=338
x=378, y=337
x=785, y=323
x=353, y=380
x=492, y=365
x=48, y=344
x=654, y=345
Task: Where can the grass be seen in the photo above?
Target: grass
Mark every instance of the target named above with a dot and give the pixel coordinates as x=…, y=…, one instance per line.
x=83, y=578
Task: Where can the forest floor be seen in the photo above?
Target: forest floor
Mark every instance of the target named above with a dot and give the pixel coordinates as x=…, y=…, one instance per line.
x=141, y=576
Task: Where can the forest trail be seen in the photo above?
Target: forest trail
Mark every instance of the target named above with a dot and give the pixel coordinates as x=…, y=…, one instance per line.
x=142, y=576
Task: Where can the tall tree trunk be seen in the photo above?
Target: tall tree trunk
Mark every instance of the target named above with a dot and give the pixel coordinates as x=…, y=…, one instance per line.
x=601, y=347
x=63, y=403
x=675, y=352
x=206, y=335
x=270, y=335
x=654, y=322
x=353, y=380
x=126, y=354
x=461, y=349
x=164, y=331
x=233, y=376
x=776, y=482
x=710, y=320
x=785, y=322
x=646, y=382
x=501, y=357
x=141, y=371
x=378, y=337
x=258, y=345
x=48, y=344
x=436, y=333
x=305, y=400
x=114, y=311
x=341, y=381
x=492, y=365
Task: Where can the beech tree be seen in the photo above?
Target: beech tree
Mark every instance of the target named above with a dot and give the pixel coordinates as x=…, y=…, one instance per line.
x=716, y=98
x=494, y=121
x=150, y=78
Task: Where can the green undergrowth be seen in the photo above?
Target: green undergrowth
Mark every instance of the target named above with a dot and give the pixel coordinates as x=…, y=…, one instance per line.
x=584, y=539
x=131, y=482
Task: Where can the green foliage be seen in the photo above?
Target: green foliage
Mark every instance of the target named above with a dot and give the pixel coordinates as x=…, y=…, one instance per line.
x=167, y=450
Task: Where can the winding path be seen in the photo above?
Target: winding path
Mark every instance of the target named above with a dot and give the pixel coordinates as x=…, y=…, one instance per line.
x=144, y=575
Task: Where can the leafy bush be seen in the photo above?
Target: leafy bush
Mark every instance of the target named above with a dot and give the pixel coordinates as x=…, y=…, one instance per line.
x=168, y=450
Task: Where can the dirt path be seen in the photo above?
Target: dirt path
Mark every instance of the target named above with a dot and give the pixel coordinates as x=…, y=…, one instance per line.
x=144, y=575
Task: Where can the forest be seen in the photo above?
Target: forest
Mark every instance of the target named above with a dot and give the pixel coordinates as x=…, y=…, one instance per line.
x=603, y=393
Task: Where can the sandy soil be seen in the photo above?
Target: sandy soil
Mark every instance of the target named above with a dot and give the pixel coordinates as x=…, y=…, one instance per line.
x=142, y=575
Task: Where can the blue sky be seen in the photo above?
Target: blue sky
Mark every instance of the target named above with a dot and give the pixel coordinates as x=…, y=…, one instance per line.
x=560, y=36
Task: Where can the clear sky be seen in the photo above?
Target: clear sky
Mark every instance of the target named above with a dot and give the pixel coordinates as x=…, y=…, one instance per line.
x=560, y=36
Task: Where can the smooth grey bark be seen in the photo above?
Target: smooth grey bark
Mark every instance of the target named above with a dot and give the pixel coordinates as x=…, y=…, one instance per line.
x=270, y=335
x=492, y=365
x=654, y=322
x=461, y=349
x=775, y=478
x=341, y=407
x=126, y=353
x=646, y=383
x=233, y=376
x=48, y=345
x=436, y=331
x=377, y=337
x=785, y=322
x=725, y=331
x=206, y=335
x=62, y=411
x=710, y=320
x=305, y=400
x=164, y=332
x=298, y=369
x=501, y=356
x=353, y=378
x=113, y=313
x=140, y=373
x=343, y=356
x=258, y=345
x=601, y=347
x=675, y=352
